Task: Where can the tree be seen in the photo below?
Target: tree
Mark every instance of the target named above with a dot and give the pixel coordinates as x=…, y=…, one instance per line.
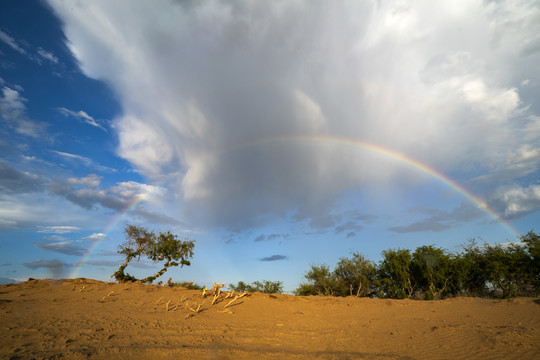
x=265, y=287
x=163, y=247
x=531, y=241
x=432, y=271
x=394, y=276
x=506, y=268
x=321, y=281
x=356, y=274
x=473, y=263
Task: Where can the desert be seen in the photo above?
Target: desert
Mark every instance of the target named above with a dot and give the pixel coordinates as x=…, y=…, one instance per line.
x=84, y=318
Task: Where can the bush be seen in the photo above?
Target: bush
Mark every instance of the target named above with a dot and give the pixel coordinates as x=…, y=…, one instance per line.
x=266, y=287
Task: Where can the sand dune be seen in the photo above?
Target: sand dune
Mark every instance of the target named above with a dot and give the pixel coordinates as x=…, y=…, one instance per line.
x=81, y=318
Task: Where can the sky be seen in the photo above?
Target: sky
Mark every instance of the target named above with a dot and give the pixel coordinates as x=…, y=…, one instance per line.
x=276, y=134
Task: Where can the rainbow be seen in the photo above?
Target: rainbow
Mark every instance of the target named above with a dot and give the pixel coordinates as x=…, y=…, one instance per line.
x=318, y=138
x=393, y=155
x=116, y=219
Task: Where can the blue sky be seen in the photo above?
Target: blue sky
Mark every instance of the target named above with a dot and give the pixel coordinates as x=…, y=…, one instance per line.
x=235, y=124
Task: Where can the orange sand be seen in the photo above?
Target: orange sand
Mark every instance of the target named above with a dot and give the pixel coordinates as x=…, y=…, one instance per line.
x=76, y=319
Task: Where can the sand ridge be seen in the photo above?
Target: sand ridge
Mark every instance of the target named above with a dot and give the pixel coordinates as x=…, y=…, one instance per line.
x=83, y=318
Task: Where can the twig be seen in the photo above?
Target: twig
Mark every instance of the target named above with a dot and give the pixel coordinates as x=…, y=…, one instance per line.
x=230, y=302
x=215, y=298
x=82, y=288
x=110, y=293
x=157, y=302
x=167, y=306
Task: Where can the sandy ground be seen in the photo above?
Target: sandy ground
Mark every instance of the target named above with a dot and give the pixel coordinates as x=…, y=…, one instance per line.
x=75, y=319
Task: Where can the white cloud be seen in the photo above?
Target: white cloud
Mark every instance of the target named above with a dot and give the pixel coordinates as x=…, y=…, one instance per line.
x=95, y=236
x=123, y=196
x=92, y=181
x=13, y=110
x=49, y=56
x=79, y=159
x=81, y=115
x=61, y=229
x=11, y=42
x=517, y=201
x=200, y=82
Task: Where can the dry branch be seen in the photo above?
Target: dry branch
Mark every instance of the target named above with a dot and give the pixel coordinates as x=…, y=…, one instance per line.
x=157, y=302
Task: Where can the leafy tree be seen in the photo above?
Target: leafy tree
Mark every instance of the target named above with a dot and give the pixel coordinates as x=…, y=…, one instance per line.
x=505, y=268
x=305, y=290
x=321, y=281
x=168, y=248
x=531, y=241
x=138, y=242
x=266, y=287
x=356, y=274
x=432, y=270
x=394, y=275
x=163, y=247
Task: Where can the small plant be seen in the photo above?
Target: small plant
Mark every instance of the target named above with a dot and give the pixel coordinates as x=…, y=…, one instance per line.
x=185, y=284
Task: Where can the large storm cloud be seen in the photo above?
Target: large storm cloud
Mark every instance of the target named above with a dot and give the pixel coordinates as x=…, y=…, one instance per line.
x=210, y=90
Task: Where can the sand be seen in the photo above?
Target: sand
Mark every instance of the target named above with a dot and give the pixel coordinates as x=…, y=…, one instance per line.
x=81, y=318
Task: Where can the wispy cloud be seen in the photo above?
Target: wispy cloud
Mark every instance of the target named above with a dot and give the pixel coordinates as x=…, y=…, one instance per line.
x=13, y=111
x=13, y=181
x=81, y=116
x=64, y=247
x=86, y=193
x=274, y=258
x=11, y=42
x=439, y=220
x=49, y=56
x=95, y=237
x=271, y=237
x=55, y=267
x=83, y=160
x=64, y=229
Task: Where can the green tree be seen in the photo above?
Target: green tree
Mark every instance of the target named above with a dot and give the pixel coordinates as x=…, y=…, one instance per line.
x=266, y=287
x=506, y=268
x=356, y=274
x=531, y=241
x=432, y=271
x=163, y=247
x=321, y=281
x=167, y=247
x=394, y=275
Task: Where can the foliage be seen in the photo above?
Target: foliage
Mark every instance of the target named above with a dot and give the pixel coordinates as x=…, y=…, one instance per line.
x=356, y=274
x=322, y=281
x=266, y=287
x=432, y=270
x=186, y=284
x=162, y=247
x=394, y=275
x=504, y=270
